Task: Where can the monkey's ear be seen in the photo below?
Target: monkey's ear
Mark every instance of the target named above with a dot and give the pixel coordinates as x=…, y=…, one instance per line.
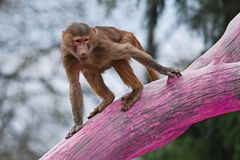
x=63, y=32
x=95, y=31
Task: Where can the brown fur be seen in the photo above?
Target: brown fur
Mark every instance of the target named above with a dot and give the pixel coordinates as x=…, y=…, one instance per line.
x=92, y=51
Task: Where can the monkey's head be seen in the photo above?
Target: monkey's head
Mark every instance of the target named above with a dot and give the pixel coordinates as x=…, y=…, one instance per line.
x=77, y=39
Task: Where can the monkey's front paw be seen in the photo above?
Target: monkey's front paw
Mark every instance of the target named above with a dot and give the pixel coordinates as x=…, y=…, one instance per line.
x=74, y=130
x=173, y=71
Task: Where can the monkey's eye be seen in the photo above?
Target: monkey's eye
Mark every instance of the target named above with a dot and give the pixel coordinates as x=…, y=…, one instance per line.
x=86, y=40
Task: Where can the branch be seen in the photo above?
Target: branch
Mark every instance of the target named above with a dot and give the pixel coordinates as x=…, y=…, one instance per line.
x=209, y=87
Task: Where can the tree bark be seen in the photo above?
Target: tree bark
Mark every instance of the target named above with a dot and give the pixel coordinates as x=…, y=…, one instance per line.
x=167, y=107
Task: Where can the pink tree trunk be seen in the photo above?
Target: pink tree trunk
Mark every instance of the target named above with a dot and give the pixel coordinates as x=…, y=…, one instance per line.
x=167, y=107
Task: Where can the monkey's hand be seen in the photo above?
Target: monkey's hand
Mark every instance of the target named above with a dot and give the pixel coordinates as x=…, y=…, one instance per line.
x=76, y=127
x=172, y=72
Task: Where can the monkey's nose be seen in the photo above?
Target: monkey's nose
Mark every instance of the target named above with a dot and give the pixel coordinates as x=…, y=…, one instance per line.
x=83, y=56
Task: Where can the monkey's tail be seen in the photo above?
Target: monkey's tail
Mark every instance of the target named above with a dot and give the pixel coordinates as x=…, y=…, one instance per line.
x=152, y=74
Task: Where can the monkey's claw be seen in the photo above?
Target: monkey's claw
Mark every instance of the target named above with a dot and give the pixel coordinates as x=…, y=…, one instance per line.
x=93, y=113
x=173, y=71
x=74, y=130
x=123, y=98
x=125, y=108
x=127, y=102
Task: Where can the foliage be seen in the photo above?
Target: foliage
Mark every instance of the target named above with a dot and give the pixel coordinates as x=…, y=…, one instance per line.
x=209, y=18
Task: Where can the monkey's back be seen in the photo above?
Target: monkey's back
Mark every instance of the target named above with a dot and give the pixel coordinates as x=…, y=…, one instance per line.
x=119, y=36
x=114, y=34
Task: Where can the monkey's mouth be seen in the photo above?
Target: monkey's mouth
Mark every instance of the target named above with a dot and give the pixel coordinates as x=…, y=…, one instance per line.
x=83, y=58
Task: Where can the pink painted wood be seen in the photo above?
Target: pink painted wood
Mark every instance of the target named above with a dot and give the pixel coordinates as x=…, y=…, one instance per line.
x=209, y=87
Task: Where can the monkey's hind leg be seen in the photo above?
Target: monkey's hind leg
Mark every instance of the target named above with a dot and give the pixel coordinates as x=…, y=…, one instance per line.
x=76, y=127
x=96, y=82
x=127, y=75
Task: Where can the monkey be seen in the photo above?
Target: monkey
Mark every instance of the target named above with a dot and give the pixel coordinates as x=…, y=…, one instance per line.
x=91, y=51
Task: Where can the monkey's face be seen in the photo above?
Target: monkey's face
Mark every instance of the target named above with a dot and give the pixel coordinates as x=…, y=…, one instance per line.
x=79, y=46
x=82, y=47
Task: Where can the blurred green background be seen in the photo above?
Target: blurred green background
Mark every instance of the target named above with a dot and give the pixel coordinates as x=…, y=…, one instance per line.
x=34, y=108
